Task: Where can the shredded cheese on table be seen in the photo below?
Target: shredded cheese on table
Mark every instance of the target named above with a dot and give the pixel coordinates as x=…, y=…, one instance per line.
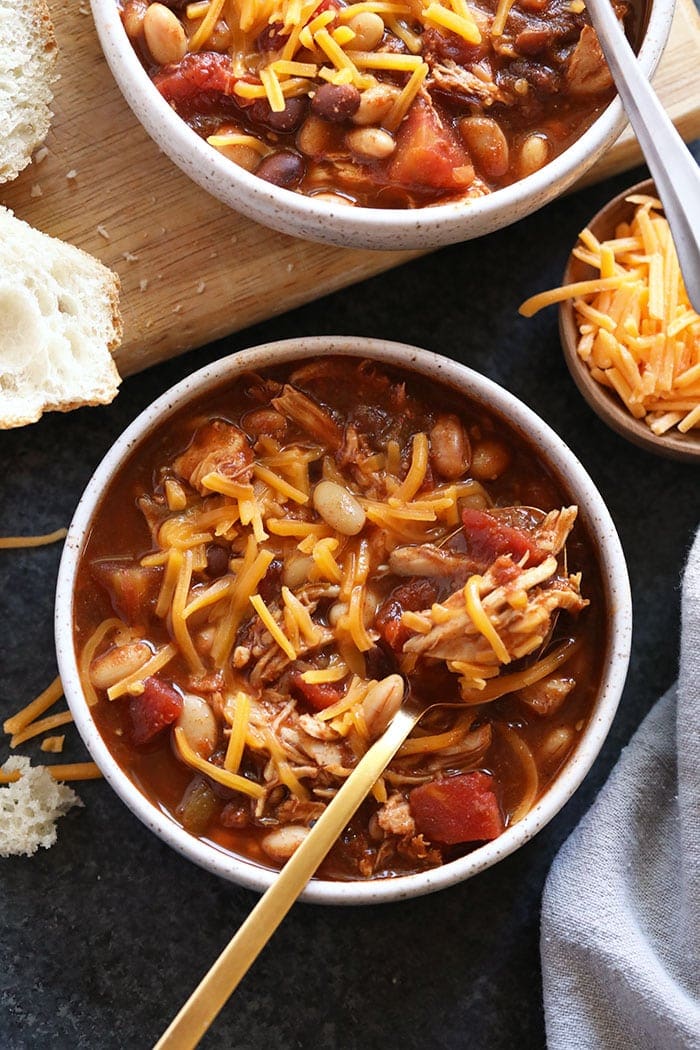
x=10, y=542
x=37, y=707
x=638, y=332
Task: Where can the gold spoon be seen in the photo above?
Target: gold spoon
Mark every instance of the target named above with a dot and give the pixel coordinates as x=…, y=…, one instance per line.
x=210, y=995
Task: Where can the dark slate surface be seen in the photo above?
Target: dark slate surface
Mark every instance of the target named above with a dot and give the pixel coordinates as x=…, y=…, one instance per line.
x=102, y=937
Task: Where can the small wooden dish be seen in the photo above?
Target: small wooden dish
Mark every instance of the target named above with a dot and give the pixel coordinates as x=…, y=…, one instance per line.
x=602, y=400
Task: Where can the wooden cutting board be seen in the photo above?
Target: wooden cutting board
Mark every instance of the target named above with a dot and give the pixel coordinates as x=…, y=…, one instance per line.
x=191, y=269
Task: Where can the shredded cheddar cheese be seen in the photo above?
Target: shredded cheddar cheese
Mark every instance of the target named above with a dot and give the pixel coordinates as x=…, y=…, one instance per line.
x=480, y=619
x=53, y=744
x=42, y=703
x=238, y=710
x=272, y=626
x=76, y=771
x=13, y=542
x=638, y=332
x=222, y=776
x=42, y=726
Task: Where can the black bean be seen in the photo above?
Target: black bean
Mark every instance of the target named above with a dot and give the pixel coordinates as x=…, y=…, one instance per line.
x=335, y=102
x=282, y=169
x=290, y=119
x=271, y=38
x=217, y=560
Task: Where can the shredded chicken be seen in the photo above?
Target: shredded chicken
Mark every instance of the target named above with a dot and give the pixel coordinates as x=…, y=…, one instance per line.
x=427, y=560
x=522, y=630
x=216, y=447
x=307, y=414
x=469, y=86
x=395, y=816
x=587, y=72
x=551, y=534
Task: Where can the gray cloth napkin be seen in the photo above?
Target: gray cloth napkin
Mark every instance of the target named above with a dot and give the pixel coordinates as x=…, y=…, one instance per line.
x=621, y=910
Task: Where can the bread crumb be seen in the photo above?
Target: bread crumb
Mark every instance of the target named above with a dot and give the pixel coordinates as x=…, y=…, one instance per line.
x=36, y=190
x=201, y=286
x=177, y=309
x=290, y=267
x=102, y=230
x=72, y=174
x=41, y=154
x=130, y=257
x=30, y=807
x=143, y=284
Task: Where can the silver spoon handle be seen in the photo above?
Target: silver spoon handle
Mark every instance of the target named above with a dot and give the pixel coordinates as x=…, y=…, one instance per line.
x=671, y=164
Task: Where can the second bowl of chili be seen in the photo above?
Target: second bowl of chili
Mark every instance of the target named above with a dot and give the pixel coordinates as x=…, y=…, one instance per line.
x=386, y=124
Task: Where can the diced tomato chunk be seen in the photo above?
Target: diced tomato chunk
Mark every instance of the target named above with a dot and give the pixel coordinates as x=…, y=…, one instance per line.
x=427, y=155
x=319, y=695
x=156, y=708
x=488, y=538
x=196, y=73
x=457, y=809
x=132, y=588
x=417, y=594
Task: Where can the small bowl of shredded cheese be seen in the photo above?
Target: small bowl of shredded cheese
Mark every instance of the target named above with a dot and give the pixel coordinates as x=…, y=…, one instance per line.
x=631, y=338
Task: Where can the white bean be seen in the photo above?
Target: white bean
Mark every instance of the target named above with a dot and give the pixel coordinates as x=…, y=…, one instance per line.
x=534, y=154
x=336, y=613
x=556, y=744
x=333, y=198
x=489, y=459
x=110, y=667
x=487, y=145
x=450, y=452
x=339, y=508
x=165, y=35
x=244, y=156
x=381, y=704
x=133, y=14
x=368, y=28
x=375, y=103
x=199, y=724
x=314, y=137
x=370, y=143
x=296, y=569
x=281, y=843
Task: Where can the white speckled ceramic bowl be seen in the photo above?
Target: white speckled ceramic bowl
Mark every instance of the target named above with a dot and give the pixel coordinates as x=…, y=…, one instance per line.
x=376, y=228
x=564, y=465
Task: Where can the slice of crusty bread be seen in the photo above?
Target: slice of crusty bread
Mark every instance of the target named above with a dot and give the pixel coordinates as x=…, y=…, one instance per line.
x=30, y=807
x=59, y=320
x=27, y=70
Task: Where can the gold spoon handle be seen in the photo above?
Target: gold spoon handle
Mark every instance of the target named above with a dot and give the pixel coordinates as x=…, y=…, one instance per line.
x=210, y=995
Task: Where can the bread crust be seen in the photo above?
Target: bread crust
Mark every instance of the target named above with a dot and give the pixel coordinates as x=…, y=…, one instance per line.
x=39, y=75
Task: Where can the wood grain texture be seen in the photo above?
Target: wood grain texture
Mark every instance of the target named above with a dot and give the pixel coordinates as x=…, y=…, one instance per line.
x=191, y=269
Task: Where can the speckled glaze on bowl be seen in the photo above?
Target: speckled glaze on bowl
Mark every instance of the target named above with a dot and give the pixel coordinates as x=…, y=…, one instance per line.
x=564, y=465
x=376, y=228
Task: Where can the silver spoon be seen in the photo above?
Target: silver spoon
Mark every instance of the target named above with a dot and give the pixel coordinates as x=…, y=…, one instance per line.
x=671, y=164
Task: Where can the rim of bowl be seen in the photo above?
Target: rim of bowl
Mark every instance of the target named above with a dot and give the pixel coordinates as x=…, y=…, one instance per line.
x=378, y=228
x=605, y=402
x=524, y=421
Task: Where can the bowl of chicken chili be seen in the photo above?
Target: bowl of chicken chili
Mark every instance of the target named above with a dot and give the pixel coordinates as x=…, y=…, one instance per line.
x=283, y=544
x=376, y=123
